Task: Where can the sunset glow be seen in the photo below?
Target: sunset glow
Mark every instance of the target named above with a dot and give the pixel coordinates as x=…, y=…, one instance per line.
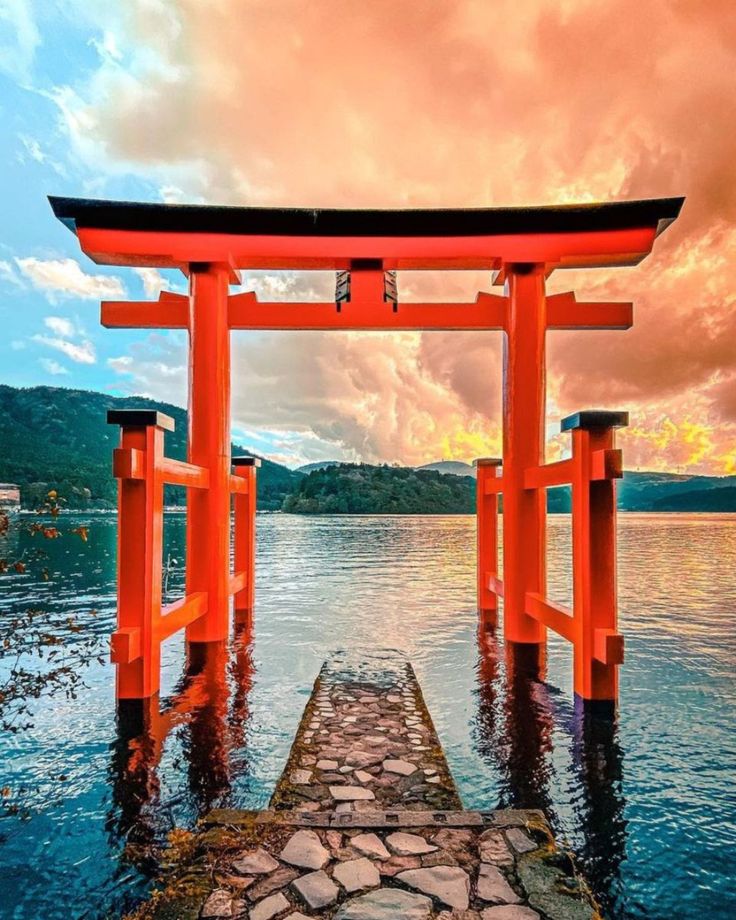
x=341, y=104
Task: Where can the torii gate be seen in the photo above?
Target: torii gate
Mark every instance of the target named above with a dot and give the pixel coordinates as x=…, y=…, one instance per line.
x=522, y=246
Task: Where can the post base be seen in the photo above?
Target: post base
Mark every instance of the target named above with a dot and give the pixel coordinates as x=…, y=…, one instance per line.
x=487, y=618
x=598, y=709
x=526, y=659
x=135, y=715
x=243, y=616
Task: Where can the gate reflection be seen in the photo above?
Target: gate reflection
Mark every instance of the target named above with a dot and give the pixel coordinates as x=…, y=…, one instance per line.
x=520, y=719
x=209, y=713
x=600, y=807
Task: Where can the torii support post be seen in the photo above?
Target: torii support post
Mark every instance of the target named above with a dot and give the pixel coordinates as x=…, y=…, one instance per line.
x=487, y=482
x=208, y=512
x=596, y=466
x=143, y=623
x=136, y=462
x=524, y=567
x=590, y=626
x=244, y=501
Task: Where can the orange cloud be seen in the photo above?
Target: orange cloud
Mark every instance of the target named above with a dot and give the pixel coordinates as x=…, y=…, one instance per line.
x=447, y=103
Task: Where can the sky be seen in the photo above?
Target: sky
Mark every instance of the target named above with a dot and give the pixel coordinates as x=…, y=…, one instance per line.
x=347, y=103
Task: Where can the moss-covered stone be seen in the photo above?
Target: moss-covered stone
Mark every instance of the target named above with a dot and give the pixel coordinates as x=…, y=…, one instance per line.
x=549, y=890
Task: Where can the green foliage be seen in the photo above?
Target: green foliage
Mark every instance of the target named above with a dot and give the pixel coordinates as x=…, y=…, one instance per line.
x=363, y=489
x=57, y=438
x=719, y=500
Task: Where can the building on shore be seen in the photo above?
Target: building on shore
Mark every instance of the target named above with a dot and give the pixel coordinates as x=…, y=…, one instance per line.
x=9, y=496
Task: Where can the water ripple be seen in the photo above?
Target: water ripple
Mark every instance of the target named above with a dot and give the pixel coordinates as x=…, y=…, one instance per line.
x=647, y=802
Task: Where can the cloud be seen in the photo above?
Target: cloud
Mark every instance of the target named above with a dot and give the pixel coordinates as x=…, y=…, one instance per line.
x=107, y=47
x=60, y=278
x=356, y=395
x=52, y=367
x=82, y=353
x=33, y=150
x=452, y=119
x=347, y=107
x=20, y=39
x=153, y=281
x=9, y=275
x=60, y=325
x=65, y=331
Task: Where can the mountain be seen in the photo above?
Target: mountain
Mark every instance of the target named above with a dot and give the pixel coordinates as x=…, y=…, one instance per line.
x=720, y=499
x=318, y=465
x=363, y=489
x=52, y=437
x=661, y=492
x=357, y=488
x=58, y=438
x=453, y=467
x=654, y=491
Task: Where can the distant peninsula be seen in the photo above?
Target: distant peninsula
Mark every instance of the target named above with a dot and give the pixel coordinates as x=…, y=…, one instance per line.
x=349, y=488
x=53, y=437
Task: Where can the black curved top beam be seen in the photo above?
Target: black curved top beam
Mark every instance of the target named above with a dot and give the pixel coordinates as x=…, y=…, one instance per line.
x=324, y=222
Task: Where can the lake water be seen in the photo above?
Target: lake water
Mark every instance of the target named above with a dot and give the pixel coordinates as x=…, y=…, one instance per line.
x=647, y=802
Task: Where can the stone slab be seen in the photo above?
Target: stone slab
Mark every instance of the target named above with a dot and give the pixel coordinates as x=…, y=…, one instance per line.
x=357, y=874
x=386, y=904
x=316, y=889
x=255, y=862
x=269, y=907
x=305, y=849
x=449, y=884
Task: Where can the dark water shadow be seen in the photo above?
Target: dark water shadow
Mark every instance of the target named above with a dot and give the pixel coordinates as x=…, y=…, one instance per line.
x=518, y=721
x=514, y=722
x=598, y=764
x=205, y=719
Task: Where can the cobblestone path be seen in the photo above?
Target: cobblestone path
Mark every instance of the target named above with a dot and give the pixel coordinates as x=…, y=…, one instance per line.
x=366, y=824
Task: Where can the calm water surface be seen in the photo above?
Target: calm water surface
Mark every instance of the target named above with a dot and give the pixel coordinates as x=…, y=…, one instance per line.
x=647, y=803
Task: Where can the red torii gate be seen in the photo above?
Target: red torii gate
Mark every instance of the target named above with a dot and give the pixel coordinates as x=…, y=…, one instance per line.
x=522, y=246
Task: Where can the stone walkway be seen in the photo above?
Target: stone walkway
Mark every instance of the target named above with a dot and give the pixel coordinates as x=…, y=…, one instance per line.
x=366, y=741
x=366, y=824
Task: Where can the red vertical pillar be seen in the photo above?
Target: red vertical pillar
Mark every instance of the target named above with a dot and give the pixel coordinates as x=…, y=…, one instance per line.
x=245, y=537
x=524, y=511
x=598, y=649
x=487, y=539
x=135, y=647
x=208, y=520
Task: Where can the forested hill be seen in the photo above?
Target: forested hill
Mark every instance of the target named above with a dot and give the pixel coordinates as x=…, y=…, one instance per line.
x=57, y=438
x=350, y=488
x=339, y=488
x=51, y=437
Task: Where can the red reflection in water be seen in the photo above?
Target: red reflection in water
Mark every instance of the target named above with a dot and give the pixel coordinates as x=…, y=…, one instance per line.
x=211, y=707
x=513, y=696
x=519, y=720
